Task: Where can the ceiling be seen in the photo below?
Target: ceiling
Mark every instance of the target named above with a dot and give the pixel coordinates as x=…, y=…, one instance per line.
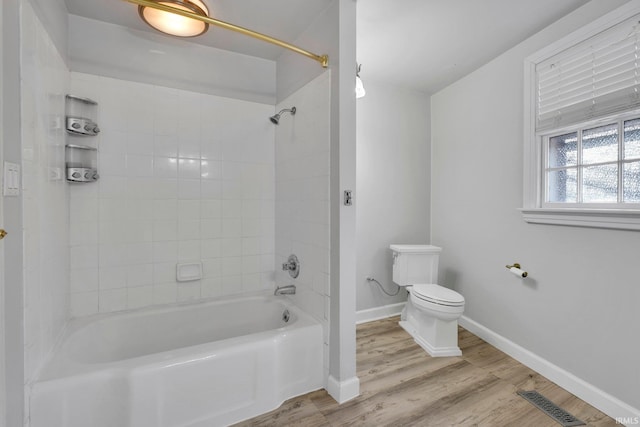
x=420, y=44
x=282, y=19
x=429, y=44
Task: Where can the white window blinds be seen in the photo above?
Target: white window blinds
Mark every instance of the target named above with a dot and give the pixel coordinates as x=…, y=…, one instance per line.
x=595, y=78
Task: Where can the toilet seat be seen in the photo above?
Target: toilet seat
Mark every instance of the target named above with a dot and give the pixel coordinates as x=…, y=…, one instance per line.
x=436, y=294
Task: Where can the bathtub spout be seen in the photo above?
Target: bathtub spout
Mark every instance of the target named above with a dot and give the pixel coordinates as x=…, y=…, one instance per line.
x=285, y=290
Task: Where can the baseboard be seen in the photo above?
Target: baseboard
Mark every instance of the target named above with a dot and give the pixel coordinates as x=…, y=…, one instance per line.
x=377, y=313
x=601, y=400
x=343, y=391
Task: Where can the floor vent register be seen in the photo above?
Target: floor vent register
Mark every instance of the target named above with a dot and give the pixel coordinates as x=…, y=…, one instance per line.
x=551, y=409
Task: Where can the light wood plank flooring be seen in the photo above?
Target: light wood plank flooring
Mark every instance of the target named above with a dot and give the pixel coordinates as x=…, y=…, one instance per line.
x=401, y=385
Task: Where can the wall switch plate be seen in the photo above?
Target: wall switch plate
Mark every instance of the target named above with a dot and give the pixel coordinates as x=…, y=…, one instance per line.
x=11, y=182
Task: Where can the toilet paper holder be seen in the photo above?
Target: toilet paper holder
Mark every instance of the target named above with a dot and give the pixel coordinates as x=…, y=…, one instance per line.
x=515, y=269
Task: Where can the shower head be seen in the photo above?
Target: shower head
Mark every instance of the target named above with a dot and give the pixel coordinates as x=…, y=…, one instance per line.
x=275, y=119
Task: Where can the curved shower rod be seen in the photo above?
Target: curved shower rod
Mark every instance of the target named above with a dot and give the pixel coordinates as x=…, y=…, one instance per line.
x=322, y=59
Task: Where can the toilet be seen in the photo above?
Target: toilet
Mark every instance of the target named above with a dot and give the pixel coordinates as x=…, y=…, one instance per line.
x=431, y=313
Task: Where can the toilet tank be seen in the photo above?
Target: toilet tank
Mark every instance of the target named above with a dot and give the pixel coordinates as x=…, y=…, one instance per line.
x=413, y=264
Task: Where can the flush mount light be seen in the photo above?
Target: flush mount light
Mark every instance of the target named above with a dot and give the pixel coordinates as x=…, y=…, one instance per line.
x=173, y=24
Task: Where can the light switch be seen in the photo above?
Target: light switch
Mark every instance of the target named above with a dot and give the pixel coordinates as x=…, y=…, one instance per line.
x=11, y=182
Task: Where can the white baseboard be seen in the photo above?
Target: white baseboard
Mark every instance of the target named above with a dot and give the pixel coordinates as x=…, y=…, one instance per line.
x=343, y=391
x=377, y=313
x=603, y=401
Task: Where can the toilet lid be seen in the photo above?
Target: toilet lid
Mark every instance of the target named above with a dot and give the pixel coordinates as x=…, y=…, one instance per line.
x=438, y=295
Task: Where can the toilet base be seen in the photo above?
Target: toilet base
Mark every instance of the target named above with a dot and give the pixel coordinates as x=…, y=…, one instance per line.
x=433, y=351
x=437, y=337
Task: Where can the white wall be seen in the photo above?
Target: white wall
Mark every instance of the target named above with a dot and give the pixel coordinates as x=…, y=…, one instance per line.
x=3, y=366
x=184, y=177
x=302, y=197
x=578, y=308
x=393, y=183
x=45, y=81
x=294, y=70
x=53, y=16
x=333, y=33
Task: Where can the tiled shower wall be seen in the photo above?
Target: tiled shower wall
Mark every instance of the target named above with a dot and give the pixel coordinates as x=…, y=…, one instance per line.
x=302, y=197
x=45, y=80
x=184, y=177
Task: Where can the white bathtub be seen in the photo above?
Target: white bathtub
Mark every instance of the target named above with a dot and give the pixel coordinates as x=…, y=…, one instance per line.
x=205, y=364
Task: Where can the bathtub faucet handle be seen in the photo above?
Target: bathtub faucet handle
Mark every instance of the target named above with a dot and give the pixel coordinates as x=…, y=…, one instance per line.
x=292, y=266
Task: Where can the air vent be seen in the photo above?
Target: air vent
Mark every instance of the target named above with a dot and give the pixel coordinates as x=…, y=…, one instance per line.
x=548, y=407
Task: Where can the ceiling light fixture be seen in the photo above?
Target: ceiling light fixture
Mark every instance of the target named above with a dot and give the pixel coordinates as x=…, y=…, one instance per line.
x=360, y=92
x=173, y=24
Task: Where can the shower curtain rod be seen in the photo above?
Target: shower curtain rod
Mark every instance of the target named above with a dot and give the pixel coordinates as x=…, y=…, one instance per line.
x=322, y=59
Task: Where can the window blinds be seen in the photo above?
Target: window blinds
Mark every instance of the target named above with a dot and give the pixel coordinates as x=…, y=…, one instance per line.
x=595, y=78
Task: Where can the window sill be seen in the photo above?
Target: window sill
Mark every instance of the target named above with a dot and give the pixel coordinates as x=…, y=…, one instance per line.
x=619, y=219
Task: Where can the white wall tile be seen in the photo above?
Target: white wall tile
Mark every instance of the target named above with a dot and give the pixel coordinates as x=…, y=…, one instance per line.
x=189, y=291
x=165, y=293
x=83, y=233
x=139, y=297
x=212, y=268
x=168, y=194
x=211, y=248
x=165, y=188
x=83, y=257
x=165, y=252
x=164, y=231
x=84, y=280
x=139, y=165
x=112, y=164
x=188, y=168
x=232, y=285
x=189, y=250
x=139, y=275
x=165, y=145
x=139, y=253
x=188, y=230
x=301, y=211
x=189, y=210
x=189, y=189
x=211, y=287
x=231, y=266
x=112, y=300
x=84, y=303
x=232, y=227
x=109, y=186
x=164, y=272
x=211, y=169
x=211, y=189
x=112, y=278
x=165, y=167
x=165, y=209
x=112, y=255
x=83, y=209
x=139, y=143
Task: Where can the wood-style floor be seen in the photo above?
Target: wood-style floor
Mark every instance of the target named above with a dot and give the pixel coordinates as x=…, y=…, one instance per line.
x=401, y=385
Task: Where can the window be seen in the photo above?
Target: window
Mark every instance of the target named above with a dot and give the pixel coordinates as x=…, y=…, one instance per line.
x=582, y=126
x=598, y=167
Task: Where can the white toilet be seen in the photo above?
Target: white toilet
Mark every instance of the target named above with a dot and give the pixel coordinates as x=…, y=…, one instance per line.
x=431, y=313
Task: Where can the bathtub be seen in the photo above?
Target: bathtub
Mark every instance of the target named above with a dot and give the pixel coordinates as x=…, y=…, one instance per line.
x=204, y=364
